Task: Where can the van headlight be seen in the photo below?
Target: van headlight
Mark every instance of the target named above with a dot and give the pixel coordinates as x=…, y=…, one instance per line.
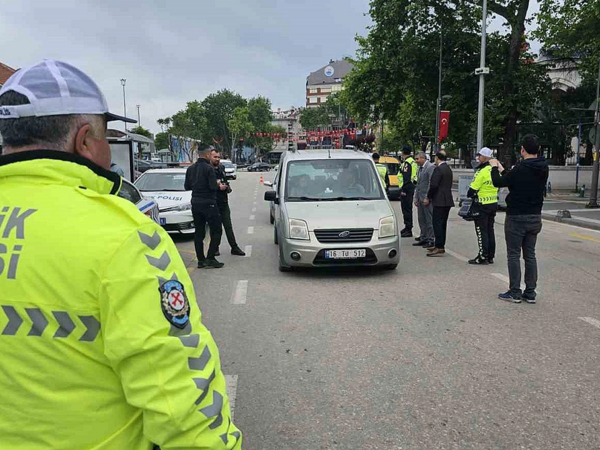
x=184, y=207
x=299, y=230
x=387, y=227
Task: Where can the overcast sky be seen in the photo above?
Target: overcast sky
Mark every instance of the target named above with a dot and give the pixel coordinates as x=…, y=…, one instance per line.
x=175, y=51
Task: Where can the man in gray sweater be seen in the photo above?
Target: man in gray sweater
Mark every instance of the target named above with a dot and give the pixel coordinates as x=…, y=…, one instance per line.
x=426, y=237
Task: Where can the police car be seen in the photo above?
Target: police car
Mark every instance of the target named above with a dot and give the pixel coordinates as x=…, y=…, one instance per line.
x=166, y=187
x=146, y=205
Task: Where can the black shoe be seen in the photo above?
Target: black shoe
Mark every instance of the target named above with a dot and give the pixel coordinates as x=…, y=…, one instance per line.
x=429, y=246
x=217, y=253
x=479, y=261
x=201, y=264
x=491, y=260
x=213, y=264
x=528, y=298
x=509, y=296
x=418, y=238
x=236, y=251
x=420, y=244
x=406, y=234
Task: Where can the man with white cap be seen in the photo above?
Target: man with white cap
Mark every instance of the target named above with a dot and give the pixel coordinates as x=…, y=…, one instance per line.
x=100, y=335
x=483, y=191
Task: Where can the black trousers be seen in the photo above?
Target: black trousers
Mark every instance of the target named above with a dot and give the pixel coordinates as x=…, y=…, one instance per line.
x=440, y=225
x=225, y=213
x=406, y=202
x=484, y=228
x=521, y=234
x=206, y=214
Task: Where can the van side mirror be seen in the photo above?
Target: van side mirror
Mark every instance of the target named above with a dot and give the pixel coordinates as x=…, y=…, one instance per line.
x=268, y=183
x=271, y=196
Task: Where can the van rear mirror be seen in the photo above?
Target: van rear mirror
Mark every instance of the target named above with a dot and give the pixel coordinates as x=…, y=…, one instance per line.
x=271, y=196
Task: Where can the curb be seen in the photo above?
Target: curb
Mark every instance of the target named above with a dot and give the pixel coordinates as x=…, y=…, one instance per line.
x=584, y=223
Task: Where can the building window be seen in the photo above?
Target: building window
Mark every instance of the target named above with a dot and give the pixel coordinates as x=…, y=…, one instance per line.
x=313, y=90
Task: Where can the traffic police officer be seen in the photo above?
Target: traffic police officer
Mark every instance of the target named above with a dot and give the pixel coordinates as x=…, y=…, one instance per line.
x=409, y=170
x=382, y=170
x=100, y=335
x=482, y=191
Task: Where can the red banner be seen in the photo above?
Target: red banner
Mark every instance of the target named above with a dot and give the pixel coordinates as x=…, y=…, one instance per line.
x=444, y=122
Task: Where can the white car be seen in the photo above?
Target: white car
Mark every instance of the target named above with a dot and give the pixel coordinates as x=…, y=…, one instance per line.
x=230, y=169
x=166, y=187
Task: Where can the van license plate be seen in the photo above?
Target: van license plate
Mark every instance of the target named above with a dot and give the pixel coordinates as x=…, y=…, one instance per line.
x=345, y=254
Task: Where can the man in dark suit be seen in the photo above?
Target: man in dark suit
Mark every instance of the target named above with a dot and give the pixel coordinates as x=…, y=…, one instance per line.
x=440, y=195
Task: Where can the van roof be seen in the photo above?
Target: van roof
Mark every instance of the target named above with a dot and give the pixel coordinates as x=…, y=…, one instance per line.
x=309, y=155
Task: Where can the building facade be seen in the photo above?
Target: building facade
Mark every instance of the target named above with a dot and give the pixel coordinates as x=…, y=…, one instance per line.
x=326, y=81
x=290, y=121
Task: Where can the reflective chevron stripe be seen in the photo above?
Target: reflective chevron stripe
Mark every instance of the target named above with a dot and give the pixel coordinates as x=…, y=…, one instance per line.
x=39, y=323
x=150, y=241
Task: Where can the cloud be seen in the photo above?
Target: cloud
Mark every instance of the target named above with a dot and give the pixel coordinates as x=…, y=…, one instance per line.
x=172, y=52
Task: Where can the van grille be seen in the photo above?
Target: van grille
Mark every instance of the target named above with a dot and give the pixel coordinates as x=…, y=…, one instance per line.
x=344, y=235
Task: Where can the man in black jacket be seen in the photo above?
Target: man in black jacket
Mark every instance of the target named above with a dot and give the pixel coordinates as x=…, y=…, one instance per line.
x=526, y=183
x=440, y=195
x=201, y=179
x=223, y=204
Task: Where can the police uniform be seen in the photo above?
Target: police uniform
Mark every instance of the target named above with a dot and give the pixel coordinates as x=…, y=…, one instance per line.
x=101, y=338
x=409, y=170
x=382, y=170
x=482, y=189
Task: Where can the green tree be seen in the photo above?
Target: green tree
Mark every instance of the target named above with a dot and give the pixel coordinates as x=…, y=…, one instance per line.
x=218, y=111
x=161, y=141
x=311, y=118
x=142, y=131
x=240, y=126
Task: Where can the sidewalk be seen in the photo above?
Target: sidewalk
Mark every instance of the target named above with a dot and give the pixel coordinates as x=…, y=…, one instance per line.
x=554, y=204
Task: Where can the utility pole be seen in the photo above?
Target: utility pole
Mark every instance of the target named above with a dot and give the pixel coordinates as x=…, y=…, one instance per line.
x=436, y=145
x=123, y=81
x=139, y=120
x=482, y=71
x=594, y=194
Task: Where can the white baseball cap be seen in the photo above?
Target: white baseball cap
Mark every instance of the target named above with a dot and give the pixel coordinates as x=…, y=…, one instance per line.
x=55, y=88
x=487, y=152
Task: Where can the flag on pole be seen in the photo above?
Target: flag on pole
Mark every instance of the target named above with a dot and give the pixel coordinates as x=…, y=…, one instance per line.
x=444, y=122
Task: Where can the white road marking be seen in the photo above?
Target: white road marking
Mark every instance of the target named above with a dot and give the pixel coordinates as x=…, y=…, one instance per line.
x=254, y=203
x=248, y=251
x=591, y=321
x=250, y=230
x=240, y=293
x=252, y=217
x=457, y=256
x=504, y=278
x=231, y=381
x=253, y=209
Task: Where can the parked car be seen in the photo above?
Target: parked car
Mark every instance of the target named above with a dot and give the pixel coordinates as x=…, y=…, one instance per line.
x=331, y=210
x=147, y=206
x=259, y=167
x=230, y=169
x=166, y=186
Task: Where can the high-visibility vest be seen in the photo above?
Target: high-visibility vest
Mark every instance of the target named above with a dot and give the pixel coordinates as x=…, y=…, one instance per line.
x=487, y=193
x=101, y=340
x=414, y=169
x=383, y=171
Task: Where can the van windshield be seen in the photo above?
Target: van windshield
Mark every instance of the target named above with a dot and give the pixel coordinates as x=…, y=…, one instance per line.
x=332, y=180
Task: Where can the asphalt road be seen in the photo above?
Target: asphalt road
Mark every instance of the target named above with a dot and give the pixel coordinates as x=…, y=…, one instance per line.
x=425, y=357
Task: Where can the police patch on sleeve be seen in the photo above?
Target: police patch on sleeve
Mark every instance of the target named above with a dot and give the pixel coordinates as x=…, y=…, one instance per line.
x=174, y=303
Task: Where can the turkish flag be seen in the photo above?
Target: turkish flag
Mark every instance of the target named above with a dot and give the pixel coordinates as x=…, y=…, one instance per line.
x=444, y=122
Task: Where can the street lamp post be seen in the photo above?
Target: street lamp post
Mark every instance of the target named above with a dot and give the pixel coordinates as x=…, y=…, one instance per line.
x=482, y=71
x=596, y=171
x=123, y=81
x=436, y=145
x=139, y=119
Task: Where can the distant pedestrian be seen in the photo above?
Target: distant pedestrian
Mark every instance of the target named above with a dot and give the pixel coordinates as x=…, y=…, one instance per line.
x=440, y=195
x=526, y=183
x=425, y=212
x=201, y=179
x=408, y=171
x=223, y=204
x=483, y=191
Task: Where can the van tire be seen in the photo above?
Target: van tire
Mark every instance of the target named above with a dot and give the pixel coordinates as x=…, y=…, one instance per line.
x=275, y=237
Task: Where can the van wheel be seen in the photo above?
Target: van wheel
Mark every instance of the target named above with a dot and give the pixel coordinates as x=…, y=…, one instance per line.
x=275, y=237
x=271, y=219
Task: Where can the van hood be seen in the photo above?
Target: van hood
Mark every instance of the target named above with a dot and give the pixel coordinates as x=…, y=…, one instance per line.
x=336, y=215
